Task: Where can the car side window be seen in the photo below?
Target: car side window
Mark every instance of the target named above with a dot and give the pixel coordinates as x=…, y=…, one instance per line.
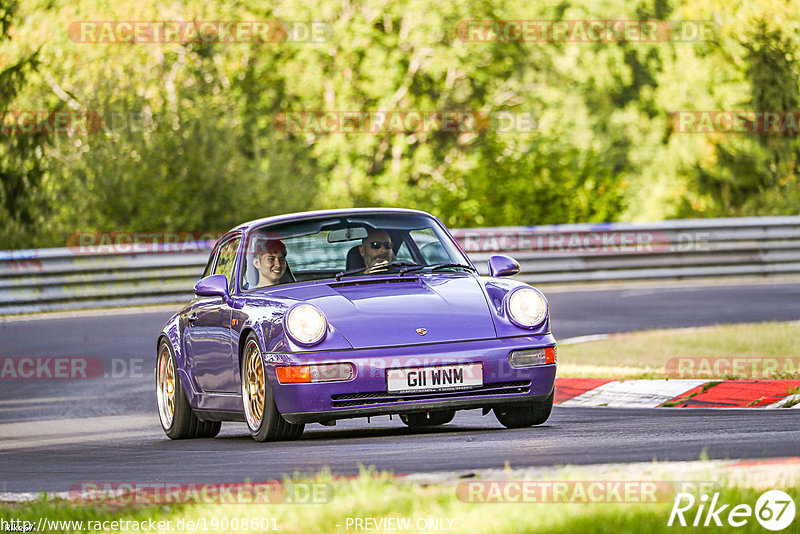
x=429, y=246
x=226, y=260
x=404, y=254
x=210, y=264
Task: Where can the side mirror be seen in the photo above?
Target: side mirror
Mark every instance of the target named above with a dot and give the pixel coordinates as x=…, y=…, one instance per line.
x=503, y=266
x=215, y=285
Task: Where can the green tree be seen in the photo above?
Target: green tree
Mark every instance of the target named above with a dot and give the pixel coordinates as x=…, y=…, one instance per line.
x=21, y=154
x=757, y=174
x=191, y=140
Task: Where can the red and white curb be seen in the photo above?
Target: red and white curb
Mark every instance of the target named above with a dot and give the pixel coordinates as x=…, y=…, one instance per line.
x=699, y=393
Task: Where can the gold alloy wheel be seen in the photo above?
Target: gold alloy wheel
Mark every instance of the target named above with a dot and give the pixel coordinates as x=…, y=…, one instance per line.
x=253, y=385
x=165, y=390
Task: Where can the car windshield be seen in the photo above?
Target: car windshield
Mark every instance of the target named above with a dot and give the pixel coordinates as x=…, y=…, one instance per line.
x=332, y=247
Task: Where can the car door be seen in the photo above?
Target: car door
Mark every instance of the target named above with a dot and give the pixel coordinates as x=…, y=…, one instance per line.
x=209, y=343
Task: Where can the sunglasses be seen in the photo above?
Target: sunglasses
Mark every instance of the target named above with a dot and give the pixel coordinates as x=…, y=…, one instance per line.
x=375, y=245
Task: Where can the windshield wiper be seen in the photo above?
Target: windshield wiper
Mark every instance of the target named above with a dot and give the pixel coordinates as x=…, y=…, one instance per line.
x=451, y=266
x=405, y=268
x=348, y=273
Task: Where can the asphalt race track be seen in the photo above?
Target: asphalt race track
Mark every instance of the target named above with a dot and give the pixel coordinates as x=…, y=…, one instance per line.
x=57, y=433
x=143, y=454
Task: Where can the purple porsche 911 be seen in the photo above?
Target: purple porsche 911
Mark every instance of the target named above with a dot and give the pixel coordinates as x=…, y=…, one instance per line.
x=327, y=315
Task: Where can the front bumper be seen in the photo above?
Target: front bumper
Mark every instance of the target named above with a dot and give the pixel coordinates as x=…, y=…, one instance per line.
x=367, y=395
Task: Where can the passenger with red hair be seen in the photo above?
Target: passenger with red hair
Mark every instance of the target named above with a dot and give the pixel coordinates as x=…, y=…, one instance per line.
x=270, y=261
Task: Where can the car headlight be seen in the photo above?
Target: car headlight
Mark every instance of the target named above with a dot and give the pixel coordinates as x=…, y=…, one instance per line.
x=527, y=307
x=306, y=325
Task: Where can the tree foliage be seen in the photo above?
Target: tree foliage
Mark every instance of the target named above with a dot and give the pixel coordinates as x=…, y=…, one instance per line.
x=758, y=174
x=21, y=156
x=190, y=139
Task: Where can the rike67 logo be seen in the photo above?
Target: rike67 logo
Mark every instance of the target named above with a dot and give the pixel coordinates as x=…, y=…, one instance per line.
x=774, y=510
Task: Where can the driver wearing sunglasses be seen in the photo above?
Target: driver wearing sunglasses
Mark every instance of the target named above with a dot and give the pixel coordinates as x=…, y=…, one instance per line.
x=376, y=249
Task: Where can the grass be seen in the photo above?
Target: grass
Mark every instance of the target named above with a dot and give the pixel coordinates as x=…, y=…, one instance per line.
x=377, y=496
x=643, y=355
x=793, y=402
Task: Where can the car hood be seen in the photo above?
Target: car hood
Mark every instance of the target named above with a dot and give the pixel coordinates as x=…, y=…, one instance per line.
x=408, y=310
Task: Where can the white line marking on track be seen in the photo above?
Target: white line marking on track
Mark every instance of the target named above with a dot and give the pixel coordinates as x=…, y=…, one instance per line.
x=28, y=434
x=42, y=400
x=583, y=339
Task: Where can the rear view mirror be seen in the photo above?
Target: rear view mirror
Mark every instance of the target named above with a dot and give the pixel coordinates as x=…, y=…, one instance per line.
x=347, y=234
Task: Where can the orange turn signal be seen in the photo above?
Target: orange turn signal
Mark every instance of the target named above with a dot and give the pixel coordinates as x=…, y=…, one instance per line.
x=296, y=374
x=551, y=355
x=322, y=372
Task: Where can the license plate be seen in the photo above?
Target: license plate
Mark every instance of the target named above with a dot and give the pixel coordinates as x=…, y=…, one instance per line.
x=440, y=377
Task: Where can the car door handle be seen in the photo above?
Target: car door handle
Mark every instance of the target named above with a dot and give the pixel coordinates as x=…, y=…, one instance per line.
x=192, y=318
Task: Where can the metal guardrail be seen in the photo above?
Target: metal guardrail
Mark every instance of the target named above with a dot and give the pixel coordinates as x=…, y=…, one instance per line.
x=67, y=278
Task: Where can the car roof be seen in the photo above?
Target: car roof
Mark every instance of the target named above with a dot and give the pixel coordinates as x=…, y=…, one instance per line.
x=322, y=213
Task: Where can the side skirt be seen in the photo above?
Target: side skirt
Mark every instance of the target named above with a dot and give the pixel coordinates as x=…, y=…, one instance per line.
x=218, y=415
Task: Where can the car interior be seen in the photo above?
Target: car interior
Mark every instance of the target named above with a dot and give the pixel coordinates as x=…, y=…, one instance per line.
x=318, y=251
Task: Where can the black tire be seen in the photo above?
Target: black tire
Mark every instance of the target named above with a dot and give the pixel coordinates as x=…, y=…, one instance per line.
x=177, y=418
x=525, y=416
x=261, y=414
x=439, y=417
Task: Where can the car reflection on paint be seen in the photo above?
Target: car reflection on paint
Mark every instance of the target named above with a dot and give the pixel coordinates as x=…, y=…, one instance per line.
x=422, y=337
